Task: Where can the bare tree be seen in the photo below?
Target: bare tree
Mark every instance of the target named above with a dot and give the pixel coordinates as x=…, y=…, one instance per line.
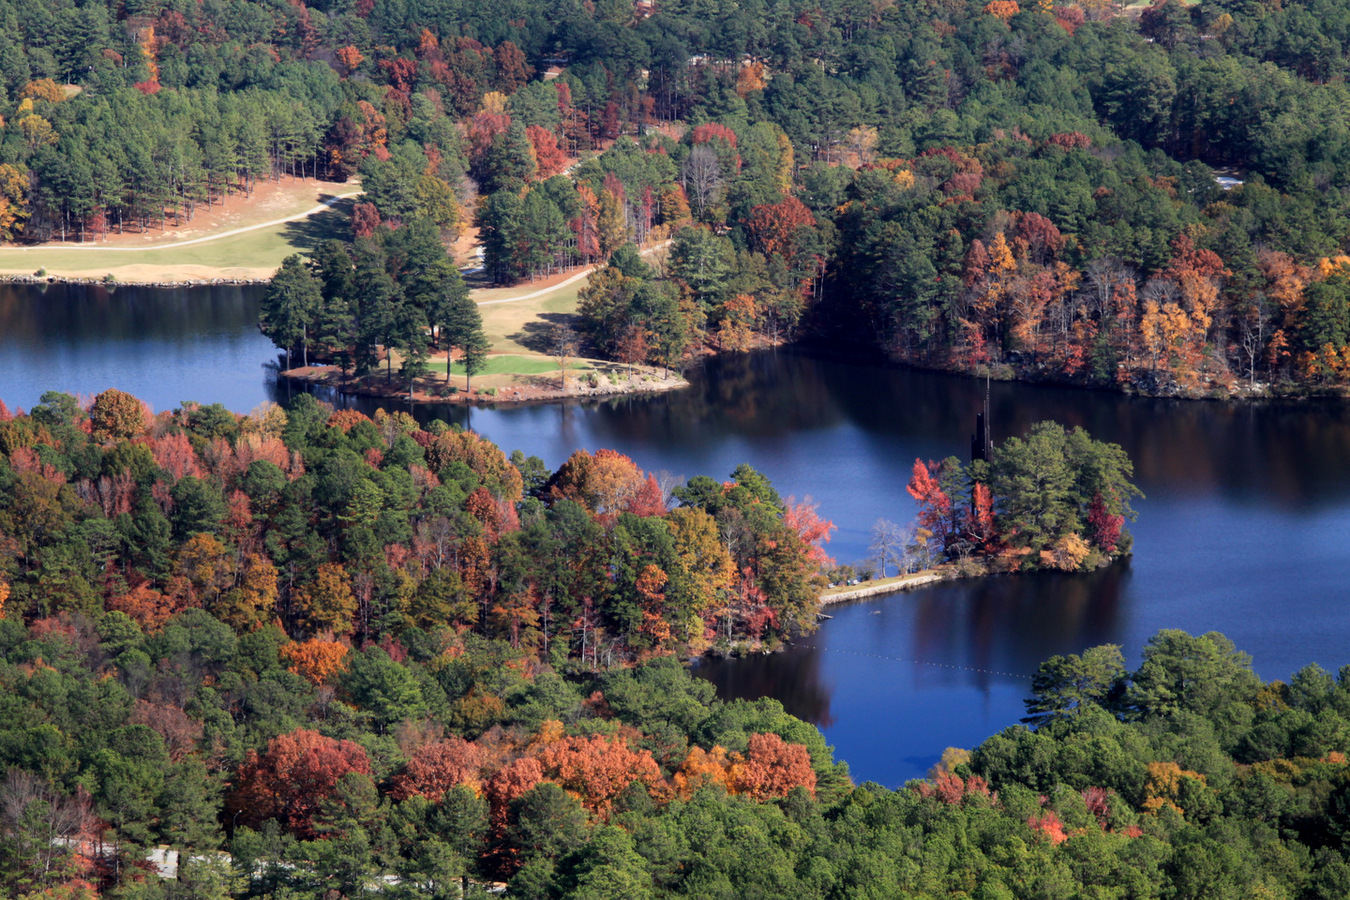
x=702, y=178
x=1252, y=334
x=41, y=826
x=563, y=345
x=668, y=481
x=888, y=543
x=1104, y=276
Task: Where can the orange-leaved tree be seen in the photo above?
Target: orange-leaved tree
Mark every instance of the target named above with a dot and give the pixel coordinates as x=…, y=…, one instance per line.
x=771, y=768
x=598, y=768
x=437, y=767
x=316, y=660
x=116, y=416
x=291, y=778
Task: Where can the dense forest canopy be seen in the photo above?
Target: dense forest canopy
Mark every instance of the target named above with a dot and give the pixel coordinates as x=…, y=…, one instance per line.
x=334, y=524
x=965, y=185
x=319, y=655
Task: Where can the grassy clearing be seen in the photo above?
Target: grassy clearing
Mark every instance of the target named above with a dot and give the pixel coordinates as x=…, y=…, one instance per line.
x=511, y=365
x=522, y=328
x=249, y=255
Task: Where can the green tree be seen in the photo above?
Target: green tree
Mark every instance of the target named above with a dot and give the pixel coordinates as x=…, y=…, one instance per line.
x=289, y=306
x=476, y=349
x=1064, y=685
x=384, y=689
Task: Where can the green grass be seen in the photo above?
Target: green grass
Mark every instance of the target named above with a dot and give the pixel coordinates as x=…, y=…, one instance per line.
x=508, y=325
x=511, y=365
x=264, y=248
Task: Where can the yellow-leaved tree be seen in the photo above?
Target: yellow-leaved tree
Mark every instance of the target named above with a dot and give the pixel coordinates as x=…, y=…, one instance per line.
x=13, y=200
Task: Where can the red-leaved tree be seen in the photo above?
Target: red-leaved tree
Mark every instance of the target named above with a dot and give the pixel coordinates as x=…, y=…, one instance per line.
x=548, y=156
x=1105, y=526
x=598, y=768
x=436, y=768
x=292, y=777
x=772, y=767
x=935, y=507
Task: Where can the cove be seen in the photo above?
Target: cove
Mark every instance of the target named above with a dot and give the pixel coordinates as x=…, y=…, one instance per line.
x=1245, y=528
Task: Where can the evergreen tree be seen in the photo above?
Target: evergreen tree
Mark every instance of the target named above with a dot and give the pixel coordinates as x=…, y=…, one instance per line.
x=290, y=306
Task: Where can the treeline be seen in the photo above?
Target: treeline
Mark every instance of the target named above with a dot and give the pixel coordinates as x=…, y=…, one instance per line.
x=965, y=185
x=1054, y=498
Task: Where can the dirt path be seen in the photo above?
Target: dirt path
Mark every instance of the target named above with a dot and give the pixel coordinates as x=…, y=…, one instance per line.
x=533, y=295
x=894, y=585
x=571, y=279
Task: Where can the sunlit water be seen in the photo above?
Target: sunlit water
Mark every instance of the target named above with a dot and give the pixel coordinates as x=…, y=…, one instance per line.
x=1244, y=528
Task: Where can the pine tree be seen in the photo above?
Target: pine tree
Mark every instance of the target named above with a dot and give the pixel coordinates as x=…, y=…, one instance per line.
x=475, y=353
x=289, y=307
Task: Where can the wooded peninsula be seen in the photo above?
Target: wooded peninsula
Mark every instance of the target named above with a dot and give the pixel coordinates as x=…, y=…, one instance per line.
x=310, y=653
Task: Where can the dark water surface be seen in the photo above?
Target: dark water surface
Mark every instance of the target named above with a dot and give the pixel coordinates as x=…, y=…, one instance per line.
x=1245, y=529
x=165, y=345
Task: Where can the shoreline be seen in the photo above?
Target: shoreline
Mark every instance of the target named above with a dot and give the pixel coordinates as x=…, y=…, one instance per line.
x=103, y=281
x=940, y=574
x=1262, y=392
x=897, y=584
x=521, y=389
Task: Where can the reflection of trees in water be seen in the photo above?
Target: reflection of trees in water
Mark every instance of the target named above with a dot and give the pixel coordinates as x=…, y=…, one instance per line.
x=1012, y=623
x=77, y=314
x=1291, y=454
x=740, y=396
x=791, y=676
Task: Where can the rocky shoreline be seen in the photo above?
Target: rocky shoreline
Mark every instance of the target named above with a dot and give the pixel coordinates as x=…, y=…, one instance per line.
x=16, y=278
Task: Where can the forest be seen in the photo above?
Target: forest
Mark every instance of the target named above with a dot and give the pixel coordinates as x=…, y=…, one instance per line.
x=334, y=524
x=310, y=654
x=979, y=187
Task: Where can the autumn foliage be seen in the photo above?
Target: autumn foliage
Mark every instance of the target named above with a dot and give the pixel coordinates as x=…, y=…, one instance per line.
x=1056, y=499
x=316, y=660
x=771, y=768
x=435, y=768
x=116, y=415
x=598, y=768
x=291, y=778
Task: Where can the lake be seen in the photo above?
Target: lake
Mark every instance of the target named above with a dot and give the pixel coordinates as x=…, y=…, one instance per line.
x=1245, y=528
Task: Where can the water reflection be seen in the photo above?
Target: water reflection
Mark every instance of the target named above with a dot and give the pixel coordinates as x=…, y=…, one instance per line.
x=165, y=345
x=804, y=694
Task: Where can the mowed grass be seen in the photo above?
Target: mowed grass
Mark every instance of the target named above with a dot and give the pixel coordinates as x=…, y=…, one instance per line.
x=510, y=327
x=252, y=254
x=510, y=365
